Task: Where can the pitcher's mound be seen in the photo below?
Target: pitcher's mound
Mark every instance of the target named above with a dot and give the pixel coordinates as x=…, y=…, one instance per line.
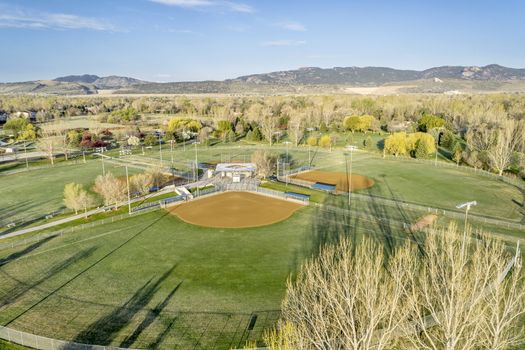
x=235, y=210
x=339, y=180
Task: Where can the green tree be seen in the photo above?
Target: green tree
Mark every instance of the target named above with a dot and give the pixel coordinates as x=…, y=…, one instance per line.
x=367, y=142
x=257, y=136
x=457, y=152
x=16, y=125
x=150, y=140
x=428, y=122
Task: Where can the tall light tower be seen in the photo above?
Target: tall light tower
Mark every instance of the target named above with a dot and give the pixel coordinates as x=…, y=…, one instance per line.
x=467, y=206
x=160, y=149
x=351, y=148
x=195, y=178
x=287, y=143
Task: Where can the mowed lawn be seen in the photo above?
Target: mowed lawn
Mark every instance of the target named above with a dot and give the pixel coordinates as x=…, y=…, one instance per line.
x=36, y=193
x=153, y=280
x=440, y=187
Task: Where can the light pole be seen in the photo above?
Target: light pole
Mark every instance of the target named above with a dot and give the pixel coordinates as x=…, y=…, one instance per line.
x=160, y=150
x=287, y=143
x=25, y=155
x=196, y=162
x=171, y=151
x=129, y=195
x=309, y=156
x=351, y=148
x=467, y=206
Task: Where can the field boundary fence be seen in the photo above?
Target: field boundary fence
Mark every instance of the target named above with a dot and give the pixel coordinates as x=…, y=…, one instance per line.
x=44, y=343
x=253, y=187
x=420, y=207
x=72, y=229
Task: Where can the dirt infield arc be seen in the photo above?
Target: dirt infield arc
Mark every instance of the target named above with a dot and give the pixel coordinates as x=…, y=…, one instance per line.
x=340, y=180
x=235, y=210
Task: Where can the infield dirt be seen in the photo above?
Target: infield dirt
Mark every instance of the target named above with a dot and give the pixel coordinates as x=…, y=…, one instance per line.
x=340, y=180
x=235, y=210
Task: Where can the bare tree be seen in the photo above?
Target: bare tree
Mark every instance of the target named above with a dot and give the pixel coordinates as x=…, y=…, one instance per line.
x=268, y=124
x=49, y=145
x=112, y=190
x=450, y=292
x=346, y=299
x=296, y=128
x=77, y=198
x=265, y=162
x=456, y=297
x=499, y=142
x=141, y=183
x=72, y=193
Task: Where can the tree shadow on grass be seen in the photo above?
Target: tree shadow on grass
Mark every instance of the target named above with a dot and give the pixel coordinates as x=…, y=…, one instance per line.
x=151, y=316
x=26, y=250
x=22, y=288
x=105, y=329
x=330, y=223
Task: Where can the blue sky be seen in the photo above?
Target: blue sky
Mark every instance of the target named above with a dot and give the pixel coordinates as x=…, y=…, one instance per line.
x=181, y=40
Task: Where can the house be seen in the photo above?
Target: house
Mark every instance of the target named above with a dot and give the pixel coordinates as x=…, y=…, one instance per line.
x=236, y=171
x=25, y=114
x=397, y=126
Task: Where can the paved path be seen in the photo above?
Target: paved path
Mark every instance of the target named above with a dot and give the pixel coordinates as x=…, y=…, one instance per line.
x=75, y=217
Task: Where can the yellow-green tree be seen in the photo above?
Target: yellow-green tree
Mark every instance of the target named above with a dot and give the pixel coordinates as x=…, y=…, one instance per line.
x=28, y=133
x=358, y=122
x=311, y=141
x=325, y=141
x=396, y=144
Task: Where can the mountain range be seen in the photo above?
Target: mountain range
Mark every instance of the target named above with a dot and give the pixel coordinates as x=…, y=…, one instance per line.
x=309, y=80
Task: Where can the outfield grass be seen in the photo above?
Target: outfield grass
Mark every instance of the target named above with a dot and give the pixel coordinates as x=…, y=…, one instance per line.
x=112, y=276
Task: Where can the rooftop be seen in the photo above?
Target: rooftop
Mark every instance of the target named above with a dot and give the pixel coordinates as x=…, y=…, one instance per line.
x=236, y=167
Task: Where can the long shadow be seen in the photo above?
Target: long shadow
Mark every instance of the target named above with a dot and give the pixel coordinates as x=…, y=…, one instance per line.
x=385, y=231
x=329, y=224
x=151, y=316
x=104, y=330
x=26, y=250
x=78, y=275
x=22, y=288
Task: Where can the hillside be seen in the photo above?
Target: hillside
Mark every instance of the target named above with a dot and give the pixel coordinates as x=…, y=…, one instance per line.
x=377, y=80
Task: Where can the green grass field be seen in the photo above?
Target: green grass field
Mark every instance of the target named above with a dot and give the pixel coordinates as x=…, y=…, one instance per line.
x=29, y=195
x=154, y=281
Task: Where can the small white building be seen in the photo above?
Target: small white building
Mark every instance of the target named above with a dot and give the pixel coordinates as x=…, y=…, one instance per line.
x=236, y=171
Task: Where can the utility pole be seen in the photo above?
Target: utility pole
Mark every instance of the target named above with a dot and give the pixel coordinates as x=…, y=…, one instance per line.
x=129, y=195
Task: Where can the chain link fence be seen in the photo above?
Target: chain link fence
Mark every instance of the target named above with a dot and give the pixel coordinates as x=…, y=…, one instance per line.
x=45, y=343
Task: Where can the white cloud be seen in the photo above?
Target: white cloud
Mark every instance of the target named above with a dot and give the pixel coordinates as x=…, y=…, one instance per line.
x=294, y=26
x=284, y=43
x=229, y=5
x=21, y=19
